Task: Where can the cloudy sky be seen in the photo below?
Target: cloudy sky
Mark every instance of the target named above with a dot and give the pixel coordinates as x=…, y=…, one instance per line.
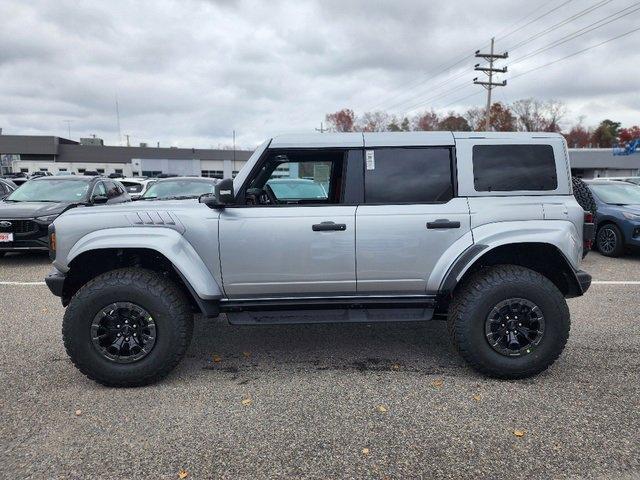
x=189, y=72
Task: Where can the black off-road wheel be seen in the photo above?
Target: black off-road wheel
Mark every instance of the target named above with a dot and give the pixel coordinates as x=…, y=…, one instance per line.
x=128, y=327
x=583, y=196
x=609, y=240
x=509, y=322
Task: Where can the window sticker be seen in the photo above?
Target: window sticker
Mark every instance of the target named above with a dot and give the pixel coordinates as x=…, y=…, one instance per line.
x=371, y=160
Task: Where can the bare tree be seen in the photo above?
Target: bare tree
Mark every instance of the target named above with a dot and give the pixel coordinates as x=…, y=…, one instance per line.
x=373, y=121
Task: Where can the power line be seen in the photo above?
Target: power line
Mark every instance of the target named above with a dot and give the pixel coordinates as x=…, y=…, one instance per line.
x=574, y=54
x=415, y=85
x=535, y=20
x=582, y=31
x=524, y=18
x=550, y=29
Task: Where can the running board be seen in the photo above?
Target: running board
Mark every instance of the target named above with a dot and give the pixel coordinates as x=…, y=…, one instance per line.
x=329, y=310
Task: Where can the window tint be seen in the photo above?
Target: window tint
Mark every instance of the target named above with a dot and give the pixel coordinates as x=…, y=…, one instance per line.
x=408, y=175
x=99, y=190
x=504, y=168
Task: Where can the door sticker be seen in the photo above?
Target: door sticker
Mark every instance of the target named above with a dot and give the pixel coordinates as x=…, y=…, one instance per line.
x=371, y=161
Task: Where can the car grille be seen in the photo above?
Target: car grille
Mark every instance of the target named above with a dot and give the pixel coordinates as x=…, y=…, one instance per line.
x=20, y=226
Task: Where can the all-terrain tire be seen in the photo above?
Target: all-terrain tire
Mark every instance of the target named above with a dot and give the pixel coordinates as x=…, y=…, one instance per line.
x=475, y=299
x=584, y=197
x=152, y=291
x=611, y=234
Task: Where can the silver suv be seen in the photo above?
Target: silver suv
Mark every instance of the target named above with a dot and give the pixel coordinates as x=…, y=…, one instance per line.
x=478, y=228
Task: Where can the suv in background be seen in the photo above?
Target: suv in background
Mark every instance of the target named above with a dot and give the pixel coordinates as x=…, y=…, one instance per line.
x=6, y=187
x=136, y=187
x=26, y=213
x=480, y=228
x=617, y=217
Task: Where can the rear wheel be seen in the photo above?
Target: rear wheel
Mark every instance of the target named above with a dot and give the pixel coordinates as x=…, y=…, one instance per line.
x=127, y=327
x=509, y=322
x=610, y=241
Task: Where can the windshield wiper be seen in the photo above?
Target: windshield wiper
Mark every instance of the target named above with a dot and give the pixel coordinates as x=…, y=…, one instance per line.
x=180, y=197
x=147, y=198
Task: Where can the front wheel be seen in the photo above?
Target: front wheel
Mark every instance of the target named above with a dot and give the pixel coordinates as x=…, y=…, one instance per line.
x=509, y=322
x=127, y=328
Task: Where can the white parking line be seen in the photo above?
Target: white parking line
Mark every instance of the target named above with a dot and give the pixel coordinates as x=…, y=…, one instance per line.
x=22, y=283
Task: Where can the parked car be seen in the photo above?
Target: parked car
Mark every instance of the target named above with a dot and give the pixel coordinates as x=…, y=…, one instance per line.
x=27, y=212
x=40, y=174
x=6, y=187
x=179, y=188
x=137, y=186
x=17, y=178
x=295, y=189
x=495, y=247
x=634, y=180
x=617, y=217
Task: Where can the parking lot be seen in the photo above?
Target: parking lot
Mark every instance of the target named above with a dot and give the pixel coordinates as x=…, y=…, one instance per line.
x=324, y=401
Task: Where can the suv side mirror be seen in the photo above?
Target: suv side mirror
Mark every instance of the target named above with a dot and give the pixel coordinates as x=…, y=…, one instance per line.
x=99, y=199
x=224, y=192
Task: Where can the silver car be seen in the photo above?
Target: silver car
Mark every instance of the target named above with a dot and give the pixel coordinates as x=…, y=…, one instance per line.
x=478, y=228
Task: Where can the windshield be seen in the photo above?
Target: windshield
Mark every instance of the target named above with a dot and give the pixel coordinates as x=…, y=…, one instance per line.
x=178, y=188
x=51, y=190
x=297, y=189
x=132, y=187
x=624, y=194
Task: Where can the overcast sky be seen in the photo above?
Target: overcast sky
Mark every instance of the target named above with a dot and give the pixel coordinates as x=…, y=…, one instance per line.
x=189, y=72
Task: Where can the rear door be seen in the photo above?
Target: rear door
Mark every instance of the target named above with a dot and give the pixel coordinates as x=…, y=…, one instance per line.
x=409, y=219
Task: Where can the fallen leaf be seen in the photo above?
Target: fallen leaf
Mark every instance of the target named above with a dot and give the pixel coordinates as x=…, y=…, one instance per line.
x=395, y=366
x=438, y=383
x=78, y=413
x=246, y=402
x=518, y=433
x=382, y=409
x=217, y=358
x=477, y=397
x=365, y=451
x=246, y=354
x=183, y=473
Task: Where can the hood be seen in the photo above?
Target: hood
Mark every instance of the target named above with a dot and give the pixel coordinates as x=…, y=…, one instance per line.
x=31, y=209
x=139, y=206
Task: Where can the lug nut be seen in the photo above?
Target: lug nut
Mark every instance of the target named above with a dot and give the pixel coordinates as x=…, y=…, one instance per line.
x=118, y=335
x=117, y=326
x=126, y=321
x=135, y=334
x=126, y=338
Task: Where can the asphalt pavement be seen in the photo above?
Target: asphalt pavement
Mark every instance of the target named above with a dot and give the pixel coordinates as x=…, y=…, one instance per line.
x=324, y=401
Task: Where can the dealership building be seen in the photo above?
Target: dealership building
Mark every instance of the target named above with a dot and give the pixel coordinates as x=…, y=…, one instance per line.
x=29, y=154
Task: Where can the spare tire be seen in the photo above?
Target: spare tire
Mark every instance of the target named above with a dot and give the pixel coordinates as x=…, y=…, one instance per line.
x=583, y=195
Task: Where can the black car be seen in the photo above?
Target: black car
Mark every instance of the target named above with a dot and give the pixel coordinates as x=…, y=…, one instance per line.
x=179, y=188
x=26, y=213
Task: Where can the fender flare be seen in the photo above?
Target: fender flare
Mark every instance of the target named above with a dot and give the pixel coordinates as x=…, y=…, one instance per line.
x=166, y=241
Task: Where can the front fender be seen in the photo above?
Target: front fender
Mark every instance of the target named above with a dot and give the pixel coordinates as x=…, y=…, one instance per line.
x=166, y=241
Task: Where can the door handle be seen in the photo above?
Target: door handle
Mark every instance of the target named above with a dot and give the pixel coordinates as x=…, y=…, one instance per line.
x=443, y=223
x=329, y=226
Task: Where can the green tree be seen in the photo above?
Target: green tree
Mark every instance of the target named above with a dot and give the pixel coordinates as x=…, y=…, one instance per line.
x=606, y=134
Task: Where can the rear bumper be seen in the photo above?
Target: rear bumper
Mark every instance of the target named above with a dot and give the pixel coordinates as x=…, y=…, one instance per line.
x=55, y=282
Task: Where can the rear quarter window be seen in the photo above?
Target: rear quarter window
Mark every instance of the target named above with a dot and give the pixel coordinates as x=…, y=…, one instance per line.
x=504, y=168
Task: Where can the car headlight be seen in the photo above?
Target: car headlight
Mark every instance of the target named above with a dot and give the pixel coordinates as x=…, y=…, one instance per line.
x=47, y=218
x=631, y=216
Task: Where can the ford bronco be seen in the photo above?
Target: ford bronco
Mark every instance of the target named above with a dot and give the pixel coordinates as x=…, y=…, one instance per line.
x=478, y=228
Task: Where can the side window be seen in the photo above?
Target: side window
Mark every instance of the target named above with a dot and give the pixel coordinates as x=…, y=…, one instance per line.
x=298, y=177
x=504, y=168
x=408, y=175
x=99, y=190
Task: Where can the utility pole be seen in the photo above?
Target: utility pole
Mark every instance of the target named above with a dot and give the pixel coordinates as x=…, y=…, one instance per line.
x=321, y=129
x=490, y=85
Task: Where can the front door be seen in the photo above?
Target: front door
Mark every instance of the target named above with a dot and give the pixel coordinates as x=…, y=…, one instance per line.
x=291, y=235
x=409, y=219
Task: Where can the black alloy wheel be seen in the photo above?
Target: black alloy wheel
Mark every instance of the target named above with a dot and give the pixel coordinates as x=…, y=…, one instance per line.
x=514, y=327
x=123, y=332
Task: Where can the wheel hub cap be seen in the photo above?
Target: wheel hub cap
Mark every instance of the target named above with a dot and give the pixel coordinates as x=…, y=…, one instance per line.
x=514, y=327
x=608, y=240
x=123, y=332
